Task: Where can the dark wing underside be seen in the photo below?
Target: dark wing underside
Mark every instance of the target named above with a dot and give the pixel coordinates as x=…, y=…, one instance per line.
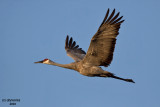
x=100, y=52
x=73, y=50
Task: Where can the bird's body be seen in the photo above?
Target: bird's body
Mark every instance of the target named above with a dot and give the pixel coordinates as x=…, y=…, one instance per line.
x=88, y=70
x=100, y=52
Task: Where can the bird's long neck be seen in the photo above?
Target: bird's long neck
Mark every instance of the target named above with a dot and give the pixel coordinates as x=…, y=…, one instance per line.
x=69, y=66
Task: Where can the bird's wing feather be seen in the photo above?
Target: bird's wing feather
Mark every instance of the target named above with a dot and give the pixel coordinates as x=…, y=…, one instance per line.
x=73, y=50
x=100, y=51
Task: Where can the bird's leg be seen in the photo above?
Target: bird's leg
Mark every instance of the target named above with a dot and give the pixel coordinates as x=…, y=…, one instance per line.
x=108, y=74
x=127, y=80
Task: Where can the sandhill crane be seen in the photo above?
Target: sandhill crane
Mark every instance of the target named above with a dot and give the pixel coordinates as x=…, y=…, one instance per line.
x=100, y=51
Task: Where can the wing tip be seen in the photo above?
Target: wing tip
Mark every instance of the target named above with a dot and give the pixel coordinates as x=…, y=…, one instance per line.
x=66, y=42
x=112, y=18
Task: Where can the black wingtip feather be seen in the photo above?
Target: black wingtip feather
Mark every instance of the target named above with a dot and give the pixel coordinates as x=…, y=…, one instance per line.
x=76, y=46
x=117, y=20
x=110, y=17
x=70, y=42
x=73, y=44
x=66, y=42
x=106, y=16
x=120, y=22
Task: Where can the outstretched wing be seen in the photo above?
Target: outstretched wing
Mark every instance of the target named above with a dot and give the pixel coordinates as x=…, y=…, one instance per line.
x=73, y=50
x=100, y=52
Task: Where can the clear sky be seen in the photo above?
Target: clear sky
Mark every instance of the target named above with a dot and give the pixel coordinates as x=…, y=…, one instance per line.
x=31, y=30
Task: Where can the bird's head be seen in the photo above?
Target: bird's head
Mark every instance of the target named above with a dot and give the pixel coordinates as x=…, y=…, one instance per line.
x=45, y=61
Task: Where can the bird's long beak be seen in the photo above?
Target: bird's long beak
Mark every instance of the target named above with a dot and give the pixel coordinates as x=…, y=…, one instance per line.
x=39, y=62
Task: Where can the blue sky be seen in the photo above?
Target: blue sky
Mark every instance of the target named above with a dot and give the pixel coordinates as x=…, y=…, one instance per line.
x=31, y=30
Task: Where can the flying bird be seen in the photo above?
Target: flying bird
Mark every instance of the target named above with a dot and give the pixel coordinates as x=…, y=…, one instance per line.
x=100, y=51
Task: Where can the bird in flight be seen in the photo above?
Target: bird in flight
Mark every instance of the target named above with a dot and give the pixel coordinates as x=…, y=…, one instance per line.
x=100, y=51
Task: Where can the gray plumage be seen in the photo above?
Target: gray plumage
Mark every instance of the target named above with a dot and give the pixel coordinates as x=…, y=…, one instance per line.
x=100, y=51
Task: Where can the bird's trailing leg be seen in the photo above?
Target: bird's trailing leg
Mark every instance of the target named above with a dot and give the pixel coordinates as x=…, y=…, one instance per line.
x=113, y=76
x=108, y=74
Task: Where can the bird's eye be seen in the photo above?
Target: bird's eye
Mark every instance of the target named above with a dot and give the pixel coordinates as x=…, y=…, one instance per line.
x=45, y=59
